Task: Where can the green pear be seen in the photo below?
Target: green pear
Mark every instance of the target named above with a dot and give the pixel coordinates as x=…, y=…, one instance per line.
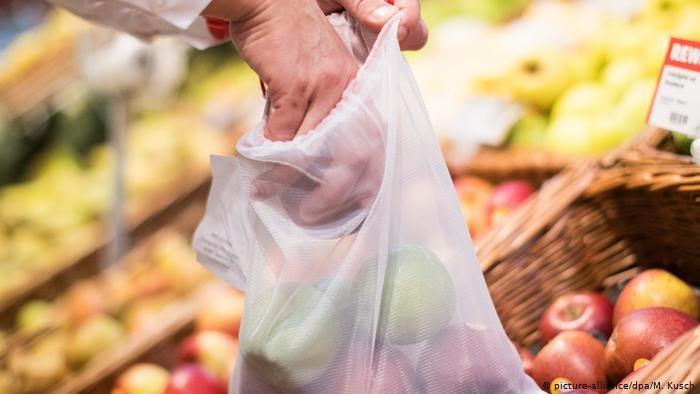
x=663, y=13
x=635, y=102
x=539, y=78
x=588, y=61
x=619, y=74
x=584, y=99
x=529, y=132
x=653, y=55
x=571, y=135
x=686, y=24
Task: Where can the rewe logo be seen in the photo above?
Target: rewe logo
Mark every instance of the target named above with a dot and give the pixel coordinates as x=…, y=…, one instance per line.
x=685, y=54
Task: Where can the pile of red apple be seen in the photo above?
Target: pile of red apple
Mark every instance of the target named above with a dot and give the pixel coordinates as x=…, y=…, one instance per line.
x=205, y=360
x=484, y=204
x=589, y=341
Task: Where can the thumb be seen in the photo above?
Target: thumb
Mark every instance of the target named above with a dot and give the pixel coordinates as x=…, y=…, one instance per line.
x=371, y=14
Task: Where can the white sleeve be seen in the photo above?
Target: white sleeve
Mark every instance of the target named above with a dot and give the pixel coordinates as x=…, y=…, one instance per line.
x=147, y=18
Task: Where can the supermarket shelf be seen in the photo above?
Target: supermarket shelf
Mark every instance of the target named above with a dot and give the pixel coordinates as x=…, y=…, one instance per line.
x=183, y=202
x=40, y=82
x=156, y=346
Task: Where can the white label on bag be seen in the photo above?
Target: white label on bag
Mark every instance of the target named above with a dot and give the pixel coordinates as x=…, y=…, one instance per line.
x=676, y=104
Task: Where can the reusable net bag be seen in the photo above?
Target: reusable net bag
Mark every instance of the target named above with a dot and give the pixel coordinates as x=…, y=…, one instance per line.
x=359, y=273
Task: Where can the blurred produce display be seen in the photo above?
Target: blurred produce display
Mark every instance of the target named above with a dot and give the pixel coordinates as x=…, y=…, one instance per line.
x=205, y=359
x=53, y=339
x=582, y=73
x=573, y=78
x=56, y=209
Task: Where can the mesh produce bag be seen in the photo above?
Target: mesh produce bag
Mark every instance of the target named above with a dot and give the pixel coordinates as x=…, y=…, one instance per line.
x=359, y=273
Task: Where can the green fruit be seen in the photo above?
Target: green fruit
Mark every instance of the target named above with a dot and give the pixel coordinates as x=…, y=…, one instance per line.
x=529, y=132
x=584, y=99
x=621, y=73
x=539, y=78
x=635, y=103
x=93, y=337
x=682, y=142
x=571, y=135
x=290, y=335
x=418, y=295
x=34, y=316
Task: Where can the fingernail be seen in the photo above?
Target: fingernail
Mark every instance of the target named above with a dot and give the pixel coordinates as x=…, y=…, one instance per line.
x=382, y=12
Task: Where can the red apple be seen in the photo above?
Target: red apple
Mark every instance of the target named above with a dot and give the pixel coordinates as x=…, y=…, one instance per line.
x=473, y=194
x=223, y=313
x=583, y=311
x=142, y=379
x=193, y=378
x=574, y=355
x=656, y=288
x=642, y=334
x=215, y=351
x=506, y=198
x=527, y=359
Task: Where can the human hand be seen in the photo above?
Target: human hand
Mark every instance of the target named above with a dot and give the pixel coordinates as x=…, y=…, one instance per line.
x=299, y=57
x=373, y=14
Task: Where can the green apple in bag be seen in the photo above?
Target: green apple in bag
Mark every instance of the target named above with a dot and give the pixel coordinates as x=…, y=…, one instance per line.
x=290, y=335
x=417, y=295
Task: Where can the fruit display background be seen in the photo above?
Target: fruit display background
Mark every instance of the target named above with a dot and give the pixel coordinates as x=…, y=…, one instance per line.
x=608, y=206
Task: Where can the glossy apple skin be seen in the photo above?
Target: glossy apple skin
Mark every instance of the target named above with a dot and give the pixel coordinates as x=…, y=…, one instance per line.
x=193, y=378
x=582, y=310
x=574, y=355
x=506, y=198
x=642, y=334
x=473, y=194
x=526, y=358
x=656, y=288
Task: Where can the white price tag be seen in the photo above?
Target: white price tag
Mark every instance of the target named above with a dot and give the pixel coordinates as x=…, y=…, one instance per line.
x=676, y=104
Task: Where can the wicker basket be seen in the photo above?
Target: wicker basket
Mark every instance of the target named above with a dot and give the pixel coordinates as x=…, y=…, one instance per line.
x=652, y=146
x=598, y=230
x=498, y=165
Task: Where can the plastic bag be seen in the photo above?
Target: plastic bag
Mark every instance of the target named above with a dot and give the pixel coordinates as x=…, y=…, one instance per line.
x=359, y=273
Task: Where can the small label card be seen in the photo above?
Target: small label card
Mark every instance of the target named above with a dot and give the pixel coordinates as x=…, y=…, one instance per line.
x=676, y=104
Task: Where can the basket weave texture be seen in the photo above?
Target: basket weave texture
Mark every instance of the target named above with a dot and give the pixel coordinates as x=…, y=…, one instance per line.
x=594, y=227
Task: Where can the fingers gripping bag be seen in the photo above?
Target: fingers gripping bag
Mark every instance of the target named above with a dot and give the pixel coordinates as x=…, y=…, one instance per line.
x=359, y=273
